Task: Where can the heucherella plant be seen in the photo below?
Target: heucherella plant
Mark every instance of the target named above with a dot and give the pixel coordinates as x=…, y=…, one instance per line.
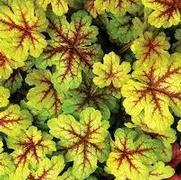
x=90, y=89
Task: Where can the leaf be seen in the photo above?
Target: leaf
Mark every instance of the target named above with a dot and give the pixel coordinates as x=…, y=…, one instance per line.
x=151, y=93
x=72, y=48
x=90, y=7
x=160, y=171
x=4, y=95
x=59, y=7
x=111, y=73
x=88, y=95
x=13, y=120
x=30, y=147
x=84, y=140
x=177, y=46
x=47, y=169
x=21, y=25
x=166, y=13
x=131, y=154
x=43, y=99
x=151, y=50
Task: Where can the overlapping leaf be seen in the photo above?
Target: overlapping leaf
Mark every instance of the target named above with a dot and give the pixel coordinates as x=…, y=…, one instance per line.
x=43, y=99
x=111, y=73
x=13, y=119
x=72, y=48
x=152, y=92
x=132, y=154
x=151, y=50
x=21, y=25
x=30, y=147
x=85, y=141
x=4, y=95
x=165, y=12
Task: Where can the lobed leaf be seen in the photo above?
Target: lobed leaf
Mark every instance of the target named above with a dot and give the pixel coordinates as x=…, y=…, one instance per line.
x=84, y=140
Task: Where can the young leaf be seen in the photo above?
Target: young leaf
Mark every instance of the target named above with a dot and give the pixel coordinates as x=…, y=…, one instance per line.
x=84, y=140
x=152, y=91
x=13, y=119
x=88, y=95
x=30, y=147
x=43, y=99
x=21, y=25
x=131, y=154
x=111, y=73
x=150, y=49
x=47, y=169
x=72, y=48
x=165, y=12
x=59, y=7
x=4, y=95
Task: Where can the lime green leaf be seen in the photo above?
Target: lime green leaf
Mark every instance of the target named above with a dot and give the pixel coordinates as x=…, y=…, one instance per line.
x=72, y=48
x=150, y=49
x=43, y=99
x=30, y=147
x=88, y=95
x=66, y=175
x=47, y=169
x=21, y=25
x=84, y=140
x=179, y=126
x=13, y=119
x=131, y=154
x=152, y=91
x=111, y=73
x=4, y=95
x=165, y=12
x=160, y=171
x=59, y=7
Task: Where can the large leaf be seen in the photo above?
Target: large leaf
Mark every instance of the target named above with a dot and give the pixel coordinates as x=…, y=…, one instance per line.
x=72, y=48
x=152, y=92
x=85, y=141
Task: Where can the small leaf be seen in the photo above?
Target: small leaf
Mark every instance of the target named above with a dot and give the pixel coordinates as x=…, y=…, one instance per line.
x=84, y=140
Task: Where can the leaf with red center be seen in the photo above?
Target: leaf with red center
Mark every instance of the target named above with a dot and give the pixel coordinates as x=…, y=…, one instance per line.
x=150, y=49
x=4, y=95
x=72, y=48
x=165, y=12
x=59, y=7
x=131, y=154
x=111, y=73
x=13, y=119
x=47, y=169
x=152, y=92
x=160, y=171
x=88, y=95
x=30, y=147
x=21, y=25
x=84, y=141
x=43, y=99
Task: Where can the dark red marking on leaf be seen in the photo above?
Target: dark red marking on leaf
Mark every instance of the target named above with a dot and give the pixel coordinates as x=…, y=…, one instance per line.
x=3, y=59
x=72, y=49
x=127, y=154
x=153, y=87
x=29, y=146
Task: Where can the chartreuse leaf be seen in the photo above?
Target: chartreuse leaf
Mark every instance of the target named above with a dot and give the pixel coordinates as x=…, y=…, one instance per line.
x=111, y=73
x=30, y=147
x=159, y=171
x=72, y=48
x=47, y=169
x=85, y=141
x=89, y=95
x=43, y=99
x=151, y=93
x=21, y=25
x=179, y=126
x=151, y=49
x=59, y=7
x=131, y=154
x=90, y=6
x=13, y=119
x=165, y=12
x=4, y=95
